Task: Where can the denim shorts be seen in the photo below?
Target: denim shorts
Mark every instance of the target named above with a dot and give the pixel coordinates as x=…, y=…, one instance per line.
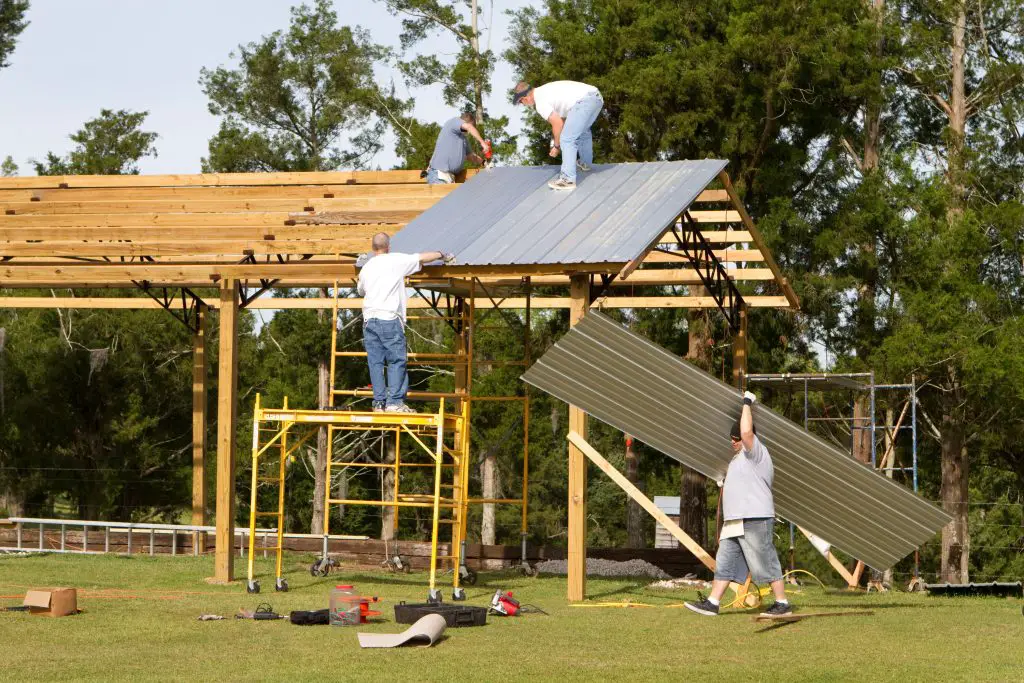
x=752, y=553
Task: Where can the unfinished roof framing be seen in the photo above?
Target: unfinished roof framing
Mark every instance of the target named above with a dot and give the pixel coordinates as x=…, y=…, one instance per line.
x=219, y=241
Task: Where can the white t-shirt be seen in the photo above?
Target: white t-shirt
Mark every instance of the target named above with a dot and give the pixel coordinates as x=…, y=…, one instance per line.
x=559, y=97
x=748, y=484
x=382, y=285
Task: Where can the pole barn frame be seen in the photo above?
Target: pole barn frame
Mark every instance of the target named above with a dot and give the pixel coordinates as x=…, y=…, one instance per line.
x=201, y=242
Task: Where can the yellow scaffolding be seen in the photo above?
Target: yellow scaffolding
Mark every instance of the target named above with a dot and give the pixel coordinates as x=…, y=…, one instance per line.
x=443, y=436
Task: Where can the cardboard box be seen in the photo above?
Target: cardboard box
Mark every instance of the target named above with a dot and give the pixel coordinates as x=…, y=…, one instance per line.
x=52, y=602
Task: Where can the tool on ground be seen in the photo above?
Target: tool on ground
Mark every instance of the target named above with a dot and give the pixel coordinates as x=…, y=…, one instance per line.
x=263, y=612
x=320, y=617
x=504, y=604
x=348, y=608
x=454, y=615
x=210, y=617
x=800, y=617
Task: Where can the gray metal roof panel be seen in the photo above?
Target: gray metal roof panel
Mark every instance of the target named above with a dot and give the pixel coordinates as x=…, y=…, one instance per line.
x=508, y=216
x=632, y=384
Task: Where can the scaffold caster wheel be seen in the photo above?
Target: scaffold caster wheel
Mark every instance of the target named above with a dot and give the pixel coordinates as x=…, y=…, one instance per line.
x=281, y=586
x=470, y=578
x=459, y=594
x=527, y=570
x=252, y=586
x=319, y=568
x=434, y=596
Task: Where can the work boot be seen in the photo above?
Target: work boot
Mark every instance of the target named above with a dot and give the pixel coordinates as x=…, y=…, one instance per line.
x=705, y=607
x=582, y=165
x=562, y=183
x=778, y=609
x=398, y=408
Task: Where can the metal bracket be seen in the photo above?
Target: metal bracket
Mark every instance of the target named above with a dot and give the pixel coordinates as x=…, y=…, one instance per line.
x=709, y=269
x=187, y=314
x=597, y=292
x=434, y=300
x=244, y=296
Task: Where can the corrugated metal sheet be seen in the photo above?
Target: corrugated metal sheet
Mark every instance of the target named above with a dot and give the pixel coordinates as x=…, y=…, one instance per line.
x=624, y=380
x=509, y=216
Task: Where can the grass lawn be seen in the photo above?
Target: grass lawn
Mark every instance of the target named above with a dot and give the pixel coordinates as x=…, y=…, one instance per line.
x=150, y=632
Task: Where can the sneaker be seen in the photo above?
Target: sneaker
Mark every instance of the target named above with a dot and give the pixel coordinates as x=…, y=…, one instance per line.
x=778, y=609
x=704, y=606
x=561, y=183
x=378, y=407
x=398, y=408
x=581, y=165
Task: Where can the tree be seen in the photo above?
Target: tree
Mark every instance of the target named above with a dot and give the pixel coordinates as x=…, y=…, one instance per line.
x=8, y=168
x=111, y=144
x=293, y=95
x=286, y=106
x=12, y=23
x=465, y=81
x=965, y=71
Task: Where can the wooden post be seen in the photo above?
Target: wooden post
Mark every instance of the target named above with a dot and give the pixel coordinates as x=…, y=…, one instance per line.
x=199, y=423
x=227, y=378
x=739, y=350
x=579, y=293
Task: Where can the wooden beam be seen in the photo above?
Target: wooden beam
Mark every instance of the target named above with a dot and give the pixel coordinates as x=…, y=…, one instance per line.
x=739, y=349
x=644, y=502
x=199, y=421
x=227, y=399
x=352, y=303
x=170, y=220
x=215, y=179
x=196, y=233
x=755, y=234
x=715, y=216
x=727, y=255
x=576, y=555
x=708, y=196
x=204, y=207
x=226, y=192
x=340, y=244
x=643, y=277
x=715, y=237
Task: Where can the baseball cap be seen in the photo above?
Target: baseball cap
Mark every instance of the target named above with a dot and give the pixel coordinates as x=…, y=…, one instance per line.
x=522, y=90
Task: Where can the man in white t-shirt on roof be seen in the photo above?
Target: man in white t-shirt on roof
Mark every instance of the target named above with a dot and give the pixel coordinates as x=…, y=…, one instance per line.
x=571, y=108
x=382, y=286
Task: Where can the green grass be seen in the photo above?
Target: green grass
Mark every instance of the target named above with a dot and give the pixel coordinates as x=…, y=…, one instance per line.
x=156, y=636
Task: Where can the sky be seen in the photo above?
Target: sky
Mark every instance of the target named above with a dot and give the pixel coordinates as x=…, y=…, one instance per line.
x=78, y=57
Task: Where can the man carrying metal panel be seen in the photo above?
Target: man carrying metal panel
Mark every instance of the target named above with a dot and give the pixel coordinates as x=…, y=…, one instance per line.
x=746, y=545
x=452, y=150
x=571, y=108
x=382, y=286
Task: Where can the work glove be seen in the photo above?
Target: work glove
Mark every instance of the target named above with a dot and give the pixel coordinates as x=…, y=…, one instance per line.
x=448, y=258
x=749, y=398
x=363, y=259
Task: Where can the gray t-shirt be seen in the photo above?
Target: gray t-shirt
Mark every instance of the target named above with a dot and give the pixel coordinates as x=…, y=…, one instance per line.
x=451, y=149
x=748, y=484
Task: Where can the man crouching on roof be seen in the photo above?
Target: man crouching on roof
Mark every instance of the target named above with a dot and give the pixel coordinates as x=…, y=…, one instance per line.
x=747, y=543
x=382, y=286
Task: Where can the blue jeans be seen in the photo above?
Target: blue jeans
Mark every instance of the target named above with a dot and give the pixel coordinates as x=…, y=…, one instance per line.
x=433, y=178
x=753, y=552
x=576, y=137
x=384, y=341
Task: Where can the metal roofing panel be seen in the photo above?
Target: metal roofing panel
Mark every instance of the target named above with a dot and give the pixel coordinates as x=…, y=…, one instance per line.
x=622, y=379
x=509, y=216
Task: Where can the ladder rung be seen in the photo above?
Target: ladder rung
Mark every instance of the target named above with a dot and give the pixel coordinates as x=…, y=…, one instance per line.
x=267, y=514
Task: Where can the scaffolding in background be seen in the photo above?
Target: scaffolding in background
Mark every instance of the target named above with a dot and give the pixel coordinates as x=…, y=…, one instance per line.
x=444, y=436
x=890, y=427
